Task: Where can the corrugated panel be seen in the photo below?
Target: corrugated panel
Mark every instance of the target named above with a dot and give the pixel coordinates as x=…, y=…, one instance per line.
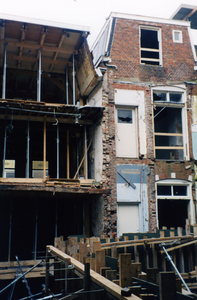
x=99, y=48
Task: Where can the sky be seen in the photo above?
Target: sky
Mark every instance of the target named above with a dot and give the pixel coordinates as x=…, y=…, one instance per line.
x=92, y=13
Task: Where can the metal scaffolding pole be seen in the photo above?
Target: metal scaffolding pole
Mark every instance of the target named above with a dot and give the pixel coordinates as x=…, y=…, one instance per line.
x=73, y=78
x=39, y=78
x=85, y=141
x=36, y=232
x=4, y=150
x=4, y=72
x=27, y=153
x=10, y=231
x=21, y=276
x=58, y=159
x=67, y=84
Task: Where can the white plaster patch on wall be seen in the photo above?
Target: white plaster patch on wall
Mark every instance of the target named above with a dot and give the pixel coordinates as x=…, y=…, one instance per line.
x=135, y=99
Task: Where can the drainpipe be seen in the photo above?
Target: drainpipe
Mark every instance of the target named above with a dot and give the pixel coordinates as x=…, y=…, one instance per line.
x=73, y=78
x=4, y=72
x=39, y=77
x=27, y=154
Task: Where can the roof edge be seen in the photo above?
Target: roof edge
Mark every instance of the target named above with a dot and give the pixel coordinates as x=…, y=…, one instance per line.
x=45, y=22
x=149, y=19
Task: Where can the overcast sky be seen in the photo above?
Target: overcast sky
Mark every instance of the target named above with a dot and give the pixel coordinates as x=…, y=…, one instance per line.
x=92, y=13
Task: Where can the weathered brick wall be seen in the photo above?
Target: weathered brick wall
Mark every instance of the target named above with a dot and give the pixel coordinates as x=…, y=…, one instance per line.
x=177, y=67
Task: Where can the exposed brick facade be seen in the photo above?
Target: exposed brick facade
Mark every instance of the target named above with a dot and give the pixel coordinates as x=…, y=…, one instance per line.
x=178, y=66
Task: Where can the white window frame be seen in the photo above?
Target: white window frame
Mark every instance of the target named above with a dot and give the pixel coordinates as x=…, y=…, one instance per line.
x=180, y=40
x=176, y=182
x=151, y=50
x=182, y=105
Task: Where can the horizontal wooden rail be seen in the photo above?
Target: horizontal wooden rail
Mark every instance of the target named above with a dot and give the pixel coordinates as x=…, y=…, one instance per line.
x=144, y=241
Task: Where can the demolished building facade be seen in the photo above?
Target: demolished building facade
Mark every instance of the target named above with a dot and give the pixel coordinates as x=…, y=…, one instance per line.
x=47, y=185
x=148, y=66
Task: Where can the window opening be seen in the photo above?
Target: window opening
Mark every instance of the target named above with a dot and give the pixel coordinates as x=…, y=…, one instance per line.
x=177, y=36
x=168, y=127
x=173, y=205
x=149, y=46
x=125, y=116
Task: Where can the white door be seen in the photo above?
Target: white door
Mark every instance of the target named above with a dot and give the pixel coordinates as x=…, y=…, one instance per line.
x=128, y=218
x=126, y=135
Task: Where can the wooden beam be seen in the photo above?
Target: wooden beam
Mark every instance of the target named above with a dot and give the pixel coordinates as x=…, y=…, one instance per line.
x=23, y=33
x=191, y=13
x=45, y=48
x=59, y=46
x=180, y=246
x=42, y=38
x=41, y=119
x=104, y=283
x=35, y=59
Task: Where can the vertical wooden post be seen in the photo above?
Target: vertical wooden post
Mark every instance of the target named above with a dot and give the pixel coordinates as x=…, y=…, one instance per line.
x=136, y=252
x=99, y=260
x=68, y=156
x=125, y=270
x=44, y=150
x=126, y=238
x=167, y=286
x=182, y=264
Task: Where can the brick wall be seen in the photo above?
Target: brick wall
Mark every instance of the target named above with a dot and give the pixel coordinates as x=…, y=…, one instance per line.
x=177, y=67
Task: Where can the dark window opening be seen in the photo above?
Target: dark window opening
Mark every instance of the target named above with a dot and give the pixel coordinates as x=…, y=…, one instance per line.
x=159, y=96
x=164, y=190
x=168, y=133
x=149, y=44
x=125, y=116
x=180, y=190
x=172, y=213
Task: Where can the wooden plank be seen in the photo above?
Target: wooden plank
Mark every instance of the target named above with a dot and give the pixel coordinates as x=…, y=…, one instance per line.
x=104, y=283
x=23, y=263
x=142, y=241
x=21, y=180
x=99, y=260
x=125, y=270
x=41, y=119
x=168, y=134
x=180, y=246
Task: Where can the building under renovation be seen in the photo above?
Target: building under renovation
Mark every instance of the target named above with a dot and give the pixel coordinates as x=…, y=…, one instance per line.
x=47, y=132
x=149, y=79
